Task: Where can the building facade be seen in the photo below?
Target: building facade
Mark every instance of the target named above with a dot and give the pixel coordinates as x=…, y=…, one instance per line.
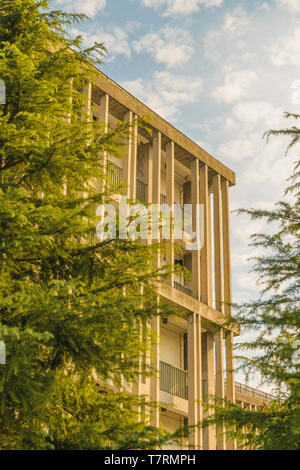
x=194, y=353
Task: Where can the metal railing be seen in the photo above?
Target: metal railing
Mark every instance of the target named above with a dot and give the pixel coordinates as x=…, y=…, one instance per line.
x=163, y=199
x=183, y=289
x=141, y=191
x=253, y=392
x=115, y=173
x=173, y=380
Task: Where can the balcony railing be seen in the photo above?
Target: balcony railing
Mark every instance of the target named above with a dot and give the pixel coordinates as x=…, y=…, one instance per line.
x=163, y=199
x=141, y=191
x=182, y=288
x=115, y=173
x=253, y=392
x=173, y=380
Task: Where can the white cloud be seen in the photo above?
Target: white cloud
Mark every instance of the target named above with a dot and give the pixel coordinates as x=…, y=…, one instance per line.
x=166, y=92
x=89, y=7
x=287, y=49
x=169, y=46
x=255, y=112
x=115, y=42
x=237, y=84
x=293, y=5
x=237, y=150
x=227, y=41
x=181, y=7
x=236, y=21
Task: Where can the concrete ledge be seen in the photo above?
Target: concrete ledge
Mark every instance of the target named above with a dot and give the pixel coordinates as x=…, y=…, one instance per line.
x=173, y=403
x=193, y=305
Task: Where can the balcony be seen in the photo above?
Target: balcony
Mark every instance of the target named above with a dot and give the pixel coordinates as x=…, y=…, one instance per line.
x=173, y=380
x=253, y=392
x=141, y=191
x=115, y=173
x=183, y=289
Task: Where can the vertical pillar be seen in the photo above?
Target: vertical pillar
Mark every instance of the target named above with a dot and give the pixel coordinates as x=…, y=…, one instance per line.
x=209, y=433
x=86, y=113
x=149, y=157
x=220, y=393
x=230, y=390
x=170, y=183
x=192, y=377
x=218, y=242
x=127, y=160
x=136, y=385
x=133, y=159
x=156, y=185
x=199, y=380
x=87, y=92
x=155, y=379
x=147, y=362
x=205, y=258
x=211, y=385
x=148, y=149
x=219, y=299
x=103, y=117
x=230, y=386
x=195, y=199
x=103, y=110
x=226, y=247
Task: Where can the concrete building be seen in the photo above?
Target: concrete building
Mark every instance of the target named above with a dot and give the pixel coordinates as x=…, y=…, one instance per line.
x=194, y=354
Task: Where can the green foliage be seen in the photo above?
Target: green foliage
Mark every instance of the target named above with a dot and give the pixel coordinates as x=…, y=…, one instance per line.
x=275, y=316
x=63, y=313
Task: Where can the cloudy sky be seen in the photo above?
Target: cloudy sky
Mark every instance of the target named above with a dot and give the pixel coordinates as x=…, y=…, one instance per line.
x=221, y=71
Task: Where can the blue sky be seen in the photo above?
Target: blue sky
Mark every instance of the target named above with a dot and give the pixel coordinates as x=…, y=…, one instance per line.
x=221, y=71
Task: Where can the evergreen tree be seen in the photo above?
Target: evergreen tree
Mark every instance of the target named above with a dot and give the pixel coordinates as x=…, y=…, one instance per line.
x=275, y=316
x=70, y=304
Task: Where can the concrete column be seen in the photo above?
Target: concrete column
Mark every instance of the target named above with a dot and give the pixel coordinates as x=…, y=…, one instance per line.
x=87, y=92
x=230, y=387
x=209, y=211
x=147, y=330
x=133, y=159
x=154, y=379
x=220, y=392
x=205, y=256
x=195, y=199
x=104, y=110
x=218, y=242
x=136, y=385
x=192, y=378
x=103, y=117
x=156, y=183
x=148, y=149
x=127, y=160
x=170, y=183
x=226, y=248
x=230, y=390
x=209, y=435
x=156, y=187
x=211, y=386
x=199, y=380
